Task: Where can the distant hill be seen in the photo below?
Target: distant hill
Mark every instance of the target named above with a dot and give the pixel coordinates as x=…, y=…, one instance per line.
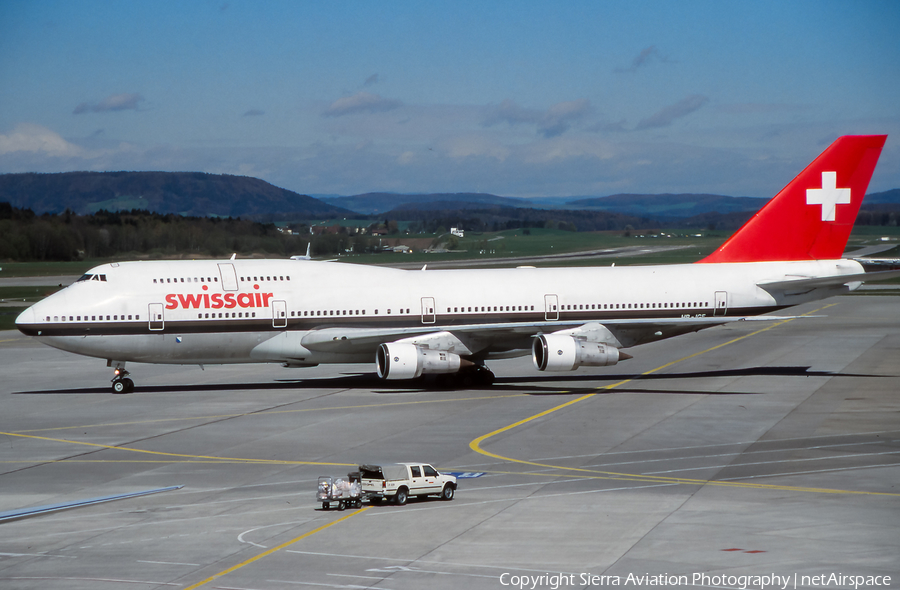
x=186, y=193
x=666, y=205
x=200, y=194
x=372, y=203
x=670, y=205
x=891, y=197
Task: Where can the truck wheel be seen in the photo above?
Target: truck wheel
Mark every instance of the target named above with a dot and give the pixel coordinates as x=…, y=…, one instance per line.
x=447, y=492
x=325, y=505
x=401, y=497
x=341, y=505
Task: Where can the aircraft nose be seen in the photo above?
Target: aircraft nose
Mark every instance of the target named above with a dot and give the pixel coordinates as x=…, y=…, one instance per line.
x=26, y=320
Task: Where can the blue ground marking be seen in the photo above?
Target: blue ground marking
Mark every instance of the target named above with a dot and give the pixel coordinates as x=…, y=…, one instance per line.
x=26, y=512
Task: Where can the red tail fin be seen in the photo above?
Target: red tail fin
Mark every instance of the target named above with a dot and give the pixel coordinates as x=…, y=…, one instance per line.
x=811, y=218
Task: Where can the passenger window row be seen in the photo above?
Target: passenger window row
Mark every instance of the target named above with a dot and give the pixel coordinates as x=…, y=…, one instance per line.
x=475, y=309
x=188, y=280
x=268, y=278
x=677, y=305
x=330, y=312
x=340, y=312
x=232, y=314
x=198, y=279
x=93, y=318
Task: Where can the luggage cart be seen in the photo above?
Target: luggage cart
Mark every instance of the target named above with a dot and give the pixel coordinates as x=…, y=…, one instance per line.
x=346, y=493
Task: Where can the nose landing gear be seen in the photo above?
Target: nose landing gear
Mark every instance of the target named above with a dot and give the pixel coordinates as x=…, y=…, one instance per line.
x=121, y=383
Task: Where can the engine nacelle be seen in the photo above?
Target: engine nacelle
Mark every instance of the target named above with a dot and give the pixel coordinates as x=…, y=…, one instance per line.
x=401, y=360
x=558, y=352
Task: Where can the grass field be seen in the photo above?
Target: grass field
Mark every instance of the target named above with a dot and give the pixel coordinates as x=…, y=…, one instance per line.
x=25, y=294
x=46, y=269
x=15, y=300
x=516, y=243
x=8, y=317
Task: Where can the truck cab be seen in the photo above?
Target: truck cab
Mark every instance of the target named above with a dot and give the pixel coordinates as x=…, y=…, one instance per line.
x=399, y=481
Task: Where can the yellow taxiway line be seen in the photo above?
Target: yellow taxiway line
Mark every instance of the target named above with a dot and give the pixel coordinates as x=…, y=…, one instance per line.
x=476, y=445
x=179, y=455
x=273, y=550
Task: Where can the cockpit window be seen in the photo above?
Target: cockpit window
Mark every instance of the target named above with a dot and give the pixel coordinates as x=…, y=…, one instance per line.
x=85, y=277
x=91, y=277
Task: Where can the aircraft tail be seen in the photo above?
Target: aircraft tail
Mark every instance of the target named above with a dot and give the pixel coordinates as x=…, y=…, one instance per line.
x=811, y=218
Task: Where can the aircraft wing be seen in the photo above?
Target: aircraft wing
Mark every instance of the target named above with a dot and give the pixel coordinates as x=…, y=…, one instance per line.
x=514, y=336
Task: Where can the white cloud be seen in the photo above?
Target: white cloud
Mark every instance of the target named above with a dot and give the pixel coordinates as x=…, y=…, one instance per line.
x=566, y=148
x=559, y=117
x=28, y=137
x=642, y=59
x=673, y=112
x=550, y=123
x=114, y=102
x=361, y=102
x=510, y=112
x=468, y=146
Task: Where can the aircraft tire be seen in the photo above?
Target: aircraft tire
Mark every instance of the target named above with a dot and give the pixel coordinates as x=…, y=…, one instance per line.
x=485, y=376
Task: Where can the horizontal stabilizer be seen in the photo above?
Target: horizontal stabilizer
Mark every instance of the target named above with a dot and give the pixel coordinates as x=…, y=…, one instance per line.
x=833, y=281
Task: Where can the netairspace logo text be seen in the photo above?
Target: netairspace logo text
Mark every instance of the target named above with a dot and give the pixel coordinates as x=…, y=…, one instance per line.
x=743, y=582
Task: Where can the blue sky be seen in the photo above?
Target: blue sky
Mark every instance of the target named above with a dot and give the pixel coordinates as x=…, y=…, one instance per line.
x=512, y=98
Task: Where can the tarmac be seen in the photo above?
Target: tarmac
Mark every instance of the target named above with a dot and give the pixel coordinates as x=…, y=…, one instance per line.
x=737, y=457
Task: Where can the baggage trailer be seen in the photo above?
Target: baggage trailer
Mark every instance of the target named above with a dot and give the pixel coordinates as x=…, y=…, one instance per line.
x=345, y=493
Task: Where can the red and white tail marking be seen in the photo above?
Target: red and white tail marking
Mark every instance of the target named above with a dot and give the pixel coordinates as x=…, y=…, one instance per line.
x=811, y=218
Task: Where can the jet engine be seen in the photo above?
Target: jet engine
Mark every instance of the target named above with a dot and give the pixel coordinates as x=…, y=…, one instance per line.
x=402, y=360
x=558, y=352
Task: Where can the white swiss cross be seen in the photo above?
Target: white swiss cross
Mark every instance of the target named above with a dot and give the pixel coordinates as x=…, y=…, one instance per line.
x=829, y=196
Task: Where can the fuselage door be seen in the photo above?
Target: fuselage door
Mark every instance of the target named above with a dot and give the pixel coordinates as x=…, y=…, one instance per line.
x=427, y=310
x=279, y=314
x=229, y=278
x=551, y=307
x=721, y=303
x=157, y=321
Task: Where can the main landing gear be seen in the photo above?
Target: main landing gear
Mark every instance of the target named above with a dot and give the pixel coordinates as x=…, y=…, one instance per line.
x=476, y=375
x=121, y=383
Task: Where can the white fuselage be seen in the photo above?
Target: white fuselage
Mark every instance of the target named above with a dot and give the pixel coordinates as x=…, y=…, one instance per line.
x=243, y=311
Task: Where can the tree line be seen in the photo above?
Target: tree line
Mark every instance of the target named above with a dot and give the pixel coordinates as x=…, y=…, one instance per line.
x=25, y=236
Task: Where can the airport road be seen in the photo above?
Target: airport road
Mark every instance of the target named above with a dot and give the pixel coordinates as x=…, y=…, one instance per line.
x=750, y=449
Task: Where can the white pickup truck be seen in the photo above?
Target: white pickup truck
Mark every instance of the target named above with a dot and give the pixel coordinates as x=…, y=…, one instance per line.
x=399, y=481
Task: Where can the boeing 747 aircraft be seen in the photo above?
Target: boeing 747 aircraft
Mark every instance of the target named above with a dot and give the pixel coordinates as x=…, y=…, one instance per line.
x=302, y=313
